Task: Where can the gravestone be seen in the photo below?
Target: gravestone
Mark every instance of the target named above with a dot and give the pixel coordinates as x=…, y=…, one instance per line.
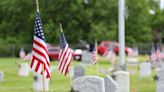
x=1, y=76
x=145, y=69
x=110, y=84
x=89, y=84
x=132, y=61
x=52, y=68
x=78, y=71
x=122, y=80
x=24, y=69
x=70, y=70
x=160, y=82
x=38, y=83
x=103, y=71
x=86, y=58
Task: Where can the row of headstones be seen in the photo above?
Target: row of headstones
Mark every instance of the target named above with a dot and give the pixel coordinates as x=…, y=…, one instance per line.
x=98, y=84
x=145, y=69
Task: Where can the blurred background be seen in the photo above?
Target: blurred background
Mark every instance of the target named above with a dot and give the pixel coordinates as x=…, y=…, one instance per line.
x=83, y=21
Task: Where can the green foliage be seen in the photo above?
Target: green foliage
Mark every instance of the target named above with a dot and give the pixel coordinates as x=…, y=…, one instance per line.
x=138, y=28
x=81, y=19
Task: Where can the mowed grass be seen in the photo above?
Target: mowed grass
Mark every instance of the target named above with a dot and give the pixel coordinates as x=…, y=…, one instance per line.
x=59, y=83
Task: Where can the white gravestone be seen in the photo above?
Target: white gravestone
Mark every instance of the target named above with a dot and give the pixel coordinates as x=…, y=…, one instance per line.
x=110, y=84
x=89, y=84
x=145, y=69
x=38, y=83
x=1, y=76
x=160, y=81
x=78, y=71
x=24, y=69
x=133, y=61
x=86, y=58
x=122, y=80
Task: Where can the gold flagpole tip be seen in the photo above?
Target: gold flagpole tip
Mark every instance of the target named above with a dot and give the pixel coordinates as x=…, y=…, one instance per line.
x=61, y=29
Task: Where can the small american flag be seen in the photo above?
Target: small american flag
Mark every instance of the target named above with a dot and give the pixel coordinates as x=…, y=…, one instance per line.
x=132, y=52
x=40, y=59
x=113, y=57
x=110, y=54
x=153, y=56
x=94, y=54
x=65, y=55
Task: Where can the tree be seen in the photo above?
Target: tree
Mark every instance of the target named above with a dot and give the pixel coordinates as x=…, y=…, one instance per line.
x=138, y=24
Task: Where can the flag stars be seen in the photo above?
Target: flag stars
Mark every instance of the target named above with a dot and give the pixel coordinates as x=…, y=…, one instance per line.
x=38, y=28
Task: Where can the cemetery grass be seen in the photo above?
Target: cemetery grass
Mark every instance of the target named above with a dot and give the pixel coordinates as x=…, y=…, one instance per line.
x=59, y=83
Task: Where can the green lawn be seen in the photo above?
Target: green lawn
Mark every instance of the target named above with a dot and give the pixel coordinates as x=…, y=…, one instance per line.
x=59, y=83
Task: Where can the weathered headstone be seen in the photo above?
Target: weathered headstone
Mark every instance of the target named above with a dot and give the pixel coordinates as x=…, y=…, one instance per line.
x=78, y=71
x=160, y=82
x=1, y=76
x=122, y=80
x=86, y=58
x=145, y=69
x=133, y=61
x=52, y=68
x=110, y=84
x=89, y=84
x=38, y=83
x=24, y=69
x=103, y=71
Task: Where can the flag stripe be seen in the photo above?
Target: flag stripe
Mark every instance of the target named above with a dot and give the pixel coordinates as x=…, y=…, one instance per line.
x=40, y=43
x=94, y=54
x=41, y=60
x=66, y=63
x=42, y=53
x=62, y=57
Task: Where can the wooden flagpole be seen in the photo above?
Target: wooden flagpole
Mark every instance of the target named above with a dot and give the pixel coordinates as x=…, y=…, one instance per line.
x=61, y=28
x=69, y=75
x=44, y=90
x=97, y=57
x=37, y=10
x=37, y=6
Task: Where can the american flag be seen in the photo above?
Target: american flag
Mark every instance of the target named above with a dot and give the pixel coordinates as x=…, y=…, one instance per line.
x=132, y=52
x=40, y=59
x=110, y=54
x=65, y=55
x=113, y=57
x=94, y=54
x=153, y=56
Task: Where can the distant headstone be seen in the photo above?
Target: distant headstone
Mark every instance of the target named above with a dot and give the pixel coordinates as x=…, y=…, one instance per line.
x=38, y=83
x=52, y=68
x=24, y=69
x=160, y=82
x=89, y=84
x=78, y=71
x=133, y=61
x=122, y=80
x=1, y=76
x=145, y=69
x=110, y=84
x=132, y=71
x=71, y=72
x=103, y=71
x=86, y=58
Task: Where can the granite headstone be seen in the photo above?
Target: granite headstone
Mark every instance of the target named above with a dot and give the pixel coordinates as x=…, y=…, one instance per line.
x=89, y=84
